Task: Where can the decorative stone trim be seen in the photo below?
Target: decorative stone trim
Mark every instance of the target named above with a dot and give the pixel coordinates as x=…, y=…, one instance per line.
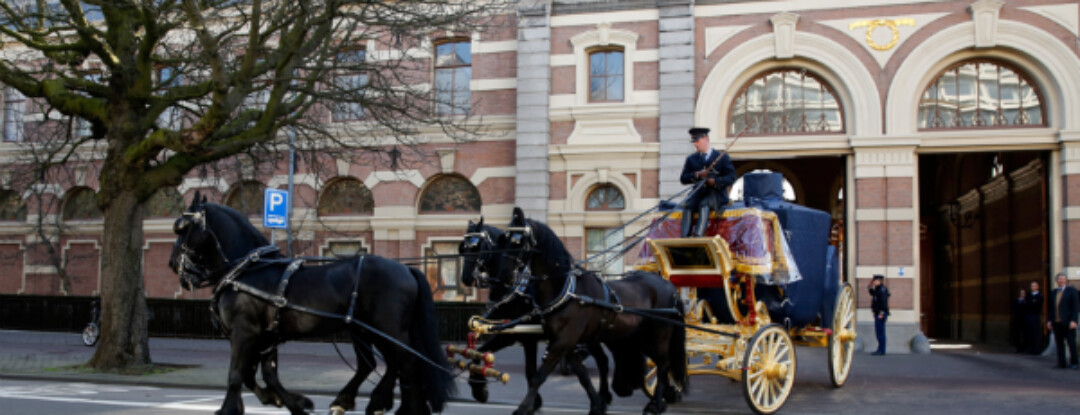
x=784, y=34
x=985, y=15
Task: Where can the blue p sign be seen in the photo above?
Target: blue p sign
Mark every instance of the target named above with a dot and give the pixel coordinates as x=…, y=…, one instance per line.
x=275, y=208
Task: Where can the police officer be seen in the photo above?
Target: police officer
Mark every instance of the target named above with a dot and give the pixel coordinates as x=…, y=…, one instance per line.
x=702, y=166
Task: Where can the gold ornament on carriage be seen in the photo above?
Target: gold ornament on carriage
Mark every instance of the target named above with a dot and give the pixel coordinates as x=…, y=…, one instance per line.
x=871, y=25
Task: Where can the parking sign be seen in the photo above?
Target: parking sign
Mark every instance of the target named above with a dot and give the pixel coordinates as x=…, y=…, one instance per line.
x=275, y=208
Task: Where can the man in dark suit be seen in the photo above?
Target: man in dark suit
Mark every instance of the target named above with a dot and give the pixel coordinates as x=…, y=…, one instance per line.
x=1064, y=303
x=716, y=171
x=1033, y=307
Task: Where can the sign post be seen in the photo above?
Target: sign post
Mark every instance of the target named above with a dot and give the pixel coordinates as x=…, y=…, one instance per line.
x=275, y=209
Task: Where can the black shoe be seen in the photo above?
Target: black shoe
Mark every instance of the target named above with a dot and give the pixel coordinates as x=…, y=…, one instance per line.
x=1074, y=367
x=877, y=354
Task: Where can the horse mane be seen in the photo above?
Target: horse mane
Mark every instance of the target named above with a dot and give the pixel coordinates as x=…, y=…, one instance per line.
x=551, y=248
x=242, y=223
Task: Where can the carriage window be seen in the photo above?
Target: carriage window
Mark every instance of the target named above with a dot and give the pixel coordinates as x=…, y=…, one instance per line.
x=605, y=197
x=444, y=266
x=690, y=257
x=606, y=75
x=344, y=249
x=165, y=202
x=453, y=71
x=981, y=94
x=609, y=264
x=246, y=198
x=12, y=206
x=786, y=101
x=450, y=194
x=344, y=197
x=81, y=204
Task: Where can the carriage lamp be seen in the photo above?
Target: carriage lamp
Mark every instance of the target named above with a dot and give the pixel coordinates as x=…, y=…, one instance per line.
x=959, y=219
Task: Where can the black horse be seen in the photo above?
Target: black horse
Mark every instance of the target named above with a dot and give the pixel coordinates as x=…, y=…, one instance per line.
x=564, y=292
x=480, y=268
x=262, y=302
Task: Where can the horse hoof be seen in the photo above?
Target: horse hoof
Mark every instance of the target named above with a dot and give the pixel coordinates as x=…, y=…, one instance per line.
x=653, y=409
x=538, y=403
x=606, y=396
x=672, y=396
x=308, y=404
x=337, y=410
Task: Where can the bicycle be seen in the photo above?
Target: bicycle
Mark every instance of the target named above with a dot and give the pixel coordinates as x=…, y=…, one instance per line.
x=93, y=329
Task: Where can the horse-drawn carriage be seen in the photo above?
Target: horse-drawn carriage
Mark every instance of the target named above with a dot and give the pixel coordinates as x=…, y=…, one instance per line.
x=764, y=279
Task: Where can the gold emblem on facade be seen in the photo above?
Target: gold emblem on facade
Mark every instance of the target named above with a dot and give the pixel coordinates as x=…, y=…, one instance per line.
x=870, y=25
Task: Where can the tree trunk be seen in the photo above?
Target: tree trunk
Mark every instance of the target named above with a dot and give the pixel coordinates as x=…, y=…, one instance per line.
x=124, y=343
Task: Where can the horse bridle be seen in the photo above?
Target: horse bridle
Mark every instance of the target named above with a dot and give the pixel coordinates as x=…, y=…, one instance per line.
x=480, y=241
x=186, y=265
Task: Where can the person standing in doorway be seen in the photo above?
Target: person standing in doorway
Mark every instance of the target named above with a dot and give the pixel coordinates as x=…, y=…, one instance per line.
x=1064, y=303
x=1019, y=328
x=1033, y=307
x=716, y=171
x=879, y=305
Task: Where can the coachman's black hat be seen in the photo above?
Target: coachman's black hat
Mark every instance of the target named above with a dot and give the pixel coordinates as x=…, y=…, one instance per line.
x=698, y=132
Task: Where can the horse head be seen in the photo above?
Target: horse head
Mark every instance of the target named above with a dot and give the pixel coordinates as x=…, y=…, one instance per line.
x=478, y=249
x=208, y=237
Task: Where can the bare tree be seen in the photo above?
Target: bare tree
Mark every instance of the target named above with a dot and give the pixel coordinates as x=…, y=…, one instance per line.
x=164, y=86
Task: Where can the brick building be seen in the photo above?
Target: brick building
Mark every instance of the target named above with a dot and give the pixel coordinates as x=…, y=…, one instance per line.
x=941, y=135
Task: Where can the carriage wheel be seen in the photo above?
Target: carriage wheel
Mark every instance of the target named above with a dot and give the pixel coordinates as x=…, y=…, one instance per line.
x=768, y=369
x=842, y=340
x=650, y=381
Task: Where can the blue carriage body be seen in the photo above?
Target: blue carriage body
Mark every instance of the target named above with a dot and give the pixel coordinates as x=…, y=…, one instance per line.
x=812, y=298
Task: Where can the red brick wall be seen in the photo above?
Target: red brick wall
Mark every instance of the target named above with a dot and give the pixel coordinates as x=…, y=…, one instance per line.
x=557, y=185
x=900, y=288
x=11, y=268
x=82, y=267
x=161, y=282
x=871, y=242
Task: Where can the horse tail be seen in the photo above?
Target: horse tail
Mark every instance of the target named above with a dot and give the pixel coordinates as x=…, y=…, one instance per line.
x=424, y=333
x=677, y=350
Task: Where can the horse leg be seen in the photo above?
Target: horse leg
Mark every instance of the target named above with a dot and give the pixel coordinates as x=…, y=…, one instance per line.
x=659, y=354
x=596, y=403
x=555, y=353
x=408, y=370
x=266, y=396
x=530, y=366
x=598, y=354
x=242, y=359
x=346, y=399
x=382, y=397
x=297, y=403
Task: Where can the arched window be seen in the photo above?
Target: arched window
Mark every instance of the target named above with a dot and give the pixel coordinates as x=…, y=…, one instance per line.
x=12, y=206
x=80, y=203
x=346, y=196
x=606, y=197
x=737, y=188
x=450, y=194
x=453, y=71
x=246, y=197
x=786, y=101
x=606, y=74
x=981, y=94
x=165, y=202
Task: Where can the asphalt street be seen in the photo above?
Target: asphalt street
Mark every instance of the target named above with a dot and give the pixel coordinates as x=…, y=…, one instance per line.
x=36, y=378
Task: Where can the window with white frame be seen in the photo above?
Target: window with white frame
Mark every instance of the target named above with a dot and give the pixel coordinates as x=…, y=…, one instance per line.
x=349, y=81
x=444, y=265
x=14, y=112
x=169, y=77
x=453, y=71
x=343, y=249
x=606, y=74
x=601, y=243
